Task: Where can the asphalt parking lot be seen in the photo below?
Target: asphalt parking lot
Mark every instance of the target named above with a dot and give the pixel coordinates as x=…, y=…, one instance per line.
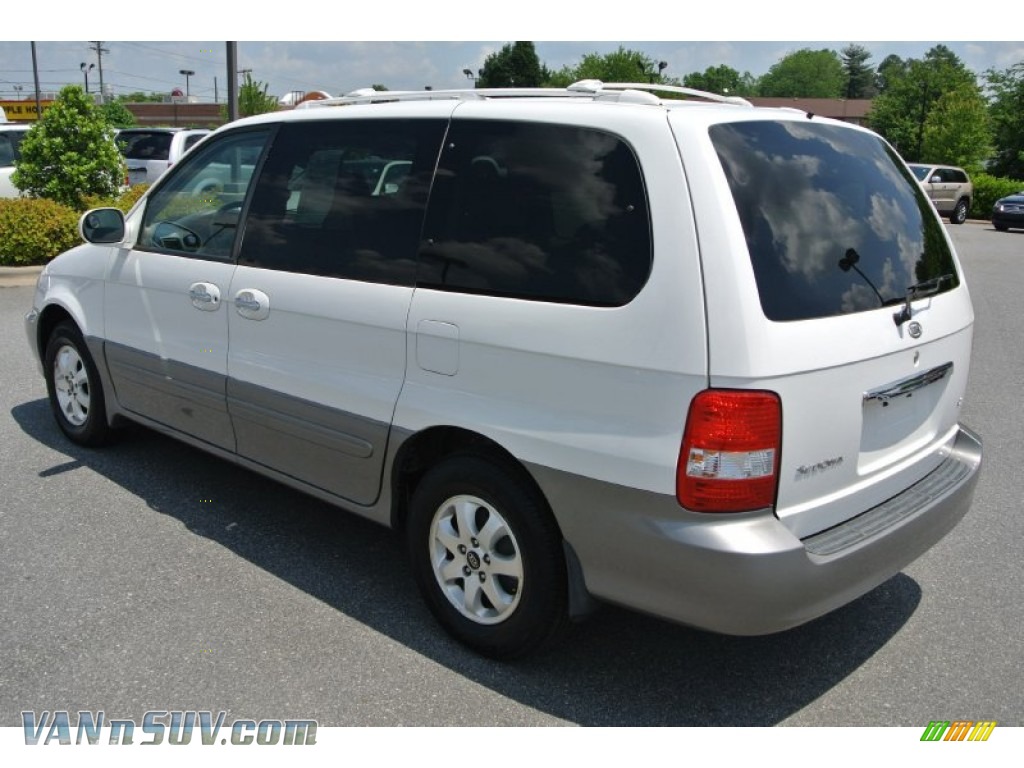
x=150, y=576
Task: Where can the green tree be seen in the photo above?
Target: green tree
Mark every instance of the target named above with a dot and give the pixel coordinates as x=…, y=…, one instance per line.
x=860, y=75
x=1007, y=116
x=722, y=79
x=70, y=153
x=900, y=112
x=807, y=74
x=956, y=130
x=620, y=66
x=117, y=114
x=515, y=66
x=891, y=69
x=253, y=98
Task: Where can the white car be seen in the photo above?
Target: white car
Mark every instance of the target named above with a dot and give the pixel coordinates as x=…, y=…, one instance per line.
x=11, y=135
x=572, y=343
x=149, y=152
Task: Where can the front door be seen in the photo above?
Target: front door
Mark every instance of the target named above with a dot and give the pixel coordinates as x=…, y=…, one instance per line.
x=166, y=298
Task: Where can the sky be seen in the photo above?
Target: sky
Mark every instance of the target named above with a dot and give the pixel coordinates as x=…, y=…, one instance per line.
x=753, y=38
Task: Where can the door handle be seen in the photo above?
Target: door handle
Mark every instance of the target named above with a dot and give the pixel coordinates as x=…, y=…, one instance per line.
x=205, y=296
x=252, y=304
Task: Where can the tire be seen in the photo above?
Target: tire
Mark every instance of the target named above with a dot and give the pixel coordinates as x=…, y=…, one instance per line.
x=74, y=387
x=487, y=557
x=1000, y=227
x=959, y=214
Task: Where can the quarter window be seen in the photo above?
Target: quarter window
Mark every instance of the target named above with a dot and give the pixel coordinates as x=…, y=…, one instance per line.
x=543, y=212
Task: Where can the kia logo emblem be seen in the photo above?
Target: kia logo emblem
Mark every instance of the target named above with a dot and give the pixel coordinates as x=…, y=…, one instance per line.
x=914, y=329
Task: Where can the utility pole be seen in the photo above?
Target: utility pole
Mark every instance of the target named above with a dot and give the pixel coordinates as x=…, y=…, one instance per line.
x=97, y=47
x=35, y=76
x=232, y=56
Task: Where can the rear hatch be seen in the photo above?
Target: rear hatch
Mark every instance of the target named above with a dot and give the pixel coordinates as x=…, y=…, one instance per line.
x=826, y=235
x=146, y=153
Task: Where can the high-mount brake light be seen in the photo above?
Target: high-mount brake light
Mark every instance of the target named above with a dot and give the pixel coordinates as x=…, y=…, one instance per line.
x=729, y=459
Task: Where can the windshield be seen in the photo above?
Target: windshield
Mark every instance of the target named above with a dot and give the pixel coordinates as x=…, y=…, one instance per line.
x=834, y=224
x=921, y=171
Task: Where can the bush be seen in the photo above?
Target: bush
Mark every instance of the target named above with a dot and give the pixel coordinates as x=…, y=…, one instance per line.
x=70, y=153
x=34, y=231
x=988, y=189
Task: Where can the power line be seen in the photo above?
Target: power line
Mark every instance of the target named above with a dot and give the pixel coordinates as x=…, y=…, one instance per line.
x=218, y=62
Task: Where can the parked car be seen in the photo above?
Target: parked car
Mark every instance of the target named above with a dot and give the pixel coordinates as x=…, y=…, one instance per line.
x=949, y=188
x=1009, y=212
x=149, y=152
x=514, y=328
x=11, y=135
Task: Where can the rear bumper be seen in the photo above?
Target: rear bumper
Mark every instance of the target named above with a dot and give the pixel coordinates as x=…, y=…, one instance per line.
x=748, y=574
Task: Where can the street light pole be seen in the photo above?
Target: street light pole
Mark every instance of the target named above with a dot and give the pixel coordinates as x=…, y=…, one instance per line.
x=187, y=73
x=85, y=71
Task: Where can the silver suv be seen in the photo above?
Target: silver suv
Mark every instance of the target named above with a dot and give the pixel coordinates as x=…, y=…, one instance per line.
x=572, y=343
x=949, y=188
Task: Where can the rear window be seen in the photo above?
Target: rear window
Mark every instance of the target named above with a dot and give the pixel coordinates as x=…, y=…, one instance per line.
x=833, y=221
x=145, y=145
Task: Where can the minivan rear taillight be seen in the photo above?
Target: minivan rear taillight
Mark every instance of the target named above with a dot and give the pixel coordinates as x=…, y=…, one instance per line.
x=729, y=460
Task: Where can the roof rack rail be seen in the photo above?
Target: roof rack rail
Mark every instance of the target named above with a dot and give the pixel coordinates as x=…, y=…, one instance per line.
x=370, y=96
x=595, y=86
x=580, y=89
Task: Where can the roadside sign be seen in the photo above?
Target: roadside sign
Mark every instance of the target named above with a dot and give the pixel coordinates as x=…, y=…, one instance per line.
x=23, y=111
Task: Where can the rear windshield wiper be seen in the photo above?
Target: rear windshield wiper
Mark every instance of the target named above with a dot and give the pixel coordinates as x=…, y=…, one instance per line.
x=918, y=291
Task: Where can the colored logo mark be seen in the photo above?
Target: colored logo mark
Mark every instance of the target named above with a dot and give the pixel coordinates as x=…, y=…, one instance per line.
x=958, y=730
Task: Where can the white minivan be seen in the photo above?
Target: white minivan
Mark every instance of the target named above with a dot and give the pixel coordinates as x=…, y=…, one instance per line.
x=684, y=355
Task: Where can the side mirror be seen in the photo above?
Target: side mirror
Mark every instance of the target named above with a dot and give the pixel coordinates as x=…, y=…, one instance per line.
x=102, y=226
x=936, y=179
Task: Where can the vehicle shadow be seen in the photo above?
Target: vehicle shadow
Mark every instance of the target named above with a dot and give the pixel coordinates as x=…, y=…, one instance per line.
x=616, y=669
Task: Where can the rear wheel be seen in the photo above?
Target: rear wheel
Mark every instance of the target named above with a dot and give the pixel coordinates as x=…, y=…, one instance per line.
x=487, y=557
x=959, y=214
x=73, y=384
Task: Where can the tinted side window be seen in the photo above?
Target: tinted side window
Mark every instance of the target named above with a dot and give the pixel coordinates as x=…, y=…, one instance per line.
x=344, y=199
x=191, y=141
x=146, y=145
x=833, y=222
x=9, y=143
x=196, y=213
x=545, y=212
x=959, y=177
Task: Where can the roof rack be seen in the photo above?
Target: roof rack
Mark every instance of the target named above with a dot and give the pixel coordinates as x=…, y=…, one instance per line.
x=595, y=86
x=581, y=89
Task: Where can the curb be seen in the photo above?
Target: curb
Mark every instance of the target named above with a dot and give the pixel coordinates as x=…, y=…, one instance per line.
x=11, y=277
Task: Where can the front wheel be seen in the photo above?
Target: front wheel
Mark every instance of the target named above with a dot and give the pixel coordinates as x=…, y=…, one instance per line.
x=73, y=384
x=487, y=557
x=1000, y=227
x=959, y=214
